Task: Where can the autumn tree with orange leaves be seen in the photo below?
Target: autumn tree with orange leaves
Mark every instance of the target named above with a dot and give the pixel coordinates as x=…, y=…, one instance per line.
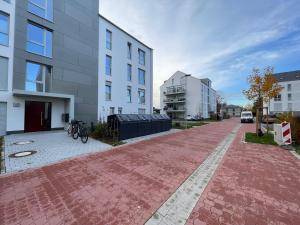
x=263, y=87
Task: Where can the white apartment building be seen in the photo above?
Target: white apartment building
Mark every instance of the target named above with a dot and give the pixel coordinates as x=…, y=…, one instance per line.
x=289, y=98
x=183, y=95
x=125, y=72
x=7, y=22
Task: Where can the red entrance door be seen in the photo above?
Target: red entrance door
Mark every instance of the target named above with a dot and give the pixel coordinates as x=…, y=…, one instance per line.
x=37, y=116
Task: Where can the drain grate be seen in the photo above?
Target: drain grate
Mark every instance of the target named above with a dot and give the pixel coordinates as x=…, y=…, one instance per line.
x=22, y=154
x=23, y=142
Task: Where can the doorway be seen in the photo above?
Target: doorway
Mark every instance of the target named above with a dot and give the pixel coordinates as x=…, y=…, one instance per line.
x=37, y=116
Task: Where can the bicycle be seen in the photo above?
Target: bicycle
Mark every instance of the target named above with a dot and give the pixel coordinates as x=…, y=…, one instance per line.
x=80, y=130
x=69, y=127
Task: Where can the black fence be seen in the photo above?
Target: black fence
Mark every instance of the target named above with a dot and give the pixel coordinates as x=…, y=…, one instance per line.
x=135, y=125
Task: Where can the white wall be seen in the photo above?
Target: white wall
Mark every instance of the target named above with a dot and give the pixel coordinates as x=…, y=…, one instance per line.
x=119, y=72
x=196, y=94
x=295, y=91
x=7, y=52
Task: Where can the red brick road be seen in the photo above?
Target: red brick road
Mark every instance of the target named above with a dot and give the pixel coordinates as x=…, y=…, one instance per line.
x=255, y=184
x=122, y=186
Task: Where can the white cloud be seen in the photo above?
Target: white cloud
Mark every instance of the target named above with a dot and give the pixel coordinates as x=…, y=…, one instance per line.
x=217, y=39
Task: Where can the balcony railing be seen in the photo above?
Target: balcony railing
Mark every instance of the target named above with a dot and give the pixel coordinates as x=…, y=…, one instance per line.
x=178, y=89
x=176, y=109
x=174, y=100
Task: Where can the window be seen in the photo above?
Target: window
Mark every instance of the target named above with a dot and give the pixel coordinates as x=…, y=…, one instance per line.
x=41, y=8
x=290, y=107
x=141, y=94
x=4, y=28
x=289, y=87
x=39, y=40
x=128, y=50
x=141, y=77
x=141, y=111
x=129, y=94
x=129, y=72
x=3, y=74
x=172, y=81
x=38, y=77
x=289, y=97
x=277, y=98
x=119, y=110
x=141, y=57
x=108, y=65
x=108, y=91
x=108, y=40
x=111, y=110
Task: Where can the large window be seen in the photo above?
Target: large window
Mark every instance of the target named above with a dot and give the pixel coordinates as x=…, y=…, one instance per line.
x=129, y=94
x=108, y=39
x=141, y=94
x=4, y=28
x=129, y=72
x=128, y=50
x=41, y=8
x=108, y=91
x=289, y=97
x=141, y=57
x=38, y=77
x=289, y=87
x=3, y=73
x=141, y=77
x=39, y=40
x=108, y=65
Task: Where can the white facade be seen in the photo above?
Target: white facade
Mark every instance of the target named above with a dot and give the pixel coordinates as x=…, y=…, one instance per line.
x=288, y=100
x=119, y=101
x=6, y=54
x=183, y=95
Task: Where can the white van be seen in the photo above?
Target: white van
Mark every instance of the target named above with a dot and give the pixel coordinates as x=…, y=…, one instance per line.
x=247, y=117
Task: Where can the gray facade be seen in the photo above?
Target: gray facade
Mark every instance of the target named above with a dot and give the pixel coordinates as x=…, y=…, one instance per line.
x=74, y=59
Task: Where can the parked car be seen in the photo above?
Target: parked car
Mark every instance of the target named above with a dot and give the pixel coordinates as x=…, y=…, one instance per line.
x=271, y=119
x=190, y=118
x=247, y=117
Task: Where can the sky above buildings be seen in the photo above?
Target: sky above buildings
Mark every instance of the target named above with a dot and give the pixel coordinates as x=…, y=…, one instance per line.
x=221, y=40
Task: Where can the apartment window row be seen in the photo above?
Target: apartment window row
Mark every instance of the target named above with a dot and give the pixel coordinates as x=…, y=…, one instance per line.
x=141, y=53
x=41, y=8
x=108, y=95
x=108, y=71
x=120, y=110
x=4, y=28
x=278, y=97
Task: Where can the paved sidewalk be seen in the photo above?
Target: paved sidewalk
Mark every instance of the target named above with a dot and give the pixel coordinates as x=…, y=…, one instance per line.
x=123, y=186
x=255, y=184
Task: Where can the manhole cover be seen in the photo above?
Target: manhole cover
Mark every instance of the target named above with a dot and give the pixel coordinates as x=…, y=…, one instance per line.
x=23, y=142
x=22, y=154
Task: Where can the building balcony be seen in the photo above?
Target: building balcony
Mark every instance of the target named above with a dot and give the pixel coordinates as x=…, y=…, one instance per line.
x=173, y=90
x=176, y=109
x=174, y=100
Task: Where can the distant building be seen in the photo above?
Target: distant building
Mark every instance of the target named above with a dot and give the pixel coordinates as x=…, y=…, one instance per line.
x=183, y=95
x=289, y=98
x=233, y=110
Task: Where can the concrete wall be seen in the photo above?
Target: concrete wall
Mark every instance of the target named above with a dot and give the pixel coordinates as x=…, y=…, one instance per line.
x=75, y=52
x=119, y=72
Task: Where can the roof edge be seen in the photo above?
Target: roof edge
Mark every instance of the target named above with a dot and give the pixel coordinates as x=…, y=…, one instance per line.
x=107, y=20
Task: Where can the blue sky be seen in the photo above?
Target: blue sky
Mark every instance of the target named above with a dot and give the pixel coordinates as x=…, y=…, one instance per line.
x=221, y=40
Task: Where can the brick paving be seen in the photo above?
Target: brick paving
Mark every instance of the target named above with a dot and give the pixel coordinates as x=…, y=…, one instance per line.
x=123, y=186
x=255, y=184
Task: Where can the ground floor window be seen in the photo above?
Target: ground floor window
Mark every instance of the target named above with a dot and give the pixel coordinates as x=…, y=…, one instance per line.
x=141, y=94
x=108, y=91
x=111, y=110
x=142, y=111
x=120, y=110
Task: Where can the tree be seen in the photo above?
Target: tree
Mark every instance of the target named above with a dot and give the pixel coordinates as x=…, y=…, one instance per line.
x=271, y=89
x=220, y=102
x=263, y=87
x=248, y=107
x=255, y=93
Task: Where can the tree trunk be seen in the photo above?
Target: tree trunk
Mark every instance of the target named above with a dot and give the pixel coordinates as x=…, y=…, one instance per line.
x=267, y=120
x=256, y=121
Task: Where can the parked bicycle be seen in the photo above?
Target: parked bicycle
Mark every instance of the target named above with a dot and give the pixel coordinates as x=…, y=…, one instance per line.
x=79, y=129
x=69, y=127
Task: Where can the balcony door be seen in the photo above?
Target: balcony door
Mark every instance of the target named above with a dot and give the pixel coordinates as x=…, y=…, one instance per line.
x=37, y=116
